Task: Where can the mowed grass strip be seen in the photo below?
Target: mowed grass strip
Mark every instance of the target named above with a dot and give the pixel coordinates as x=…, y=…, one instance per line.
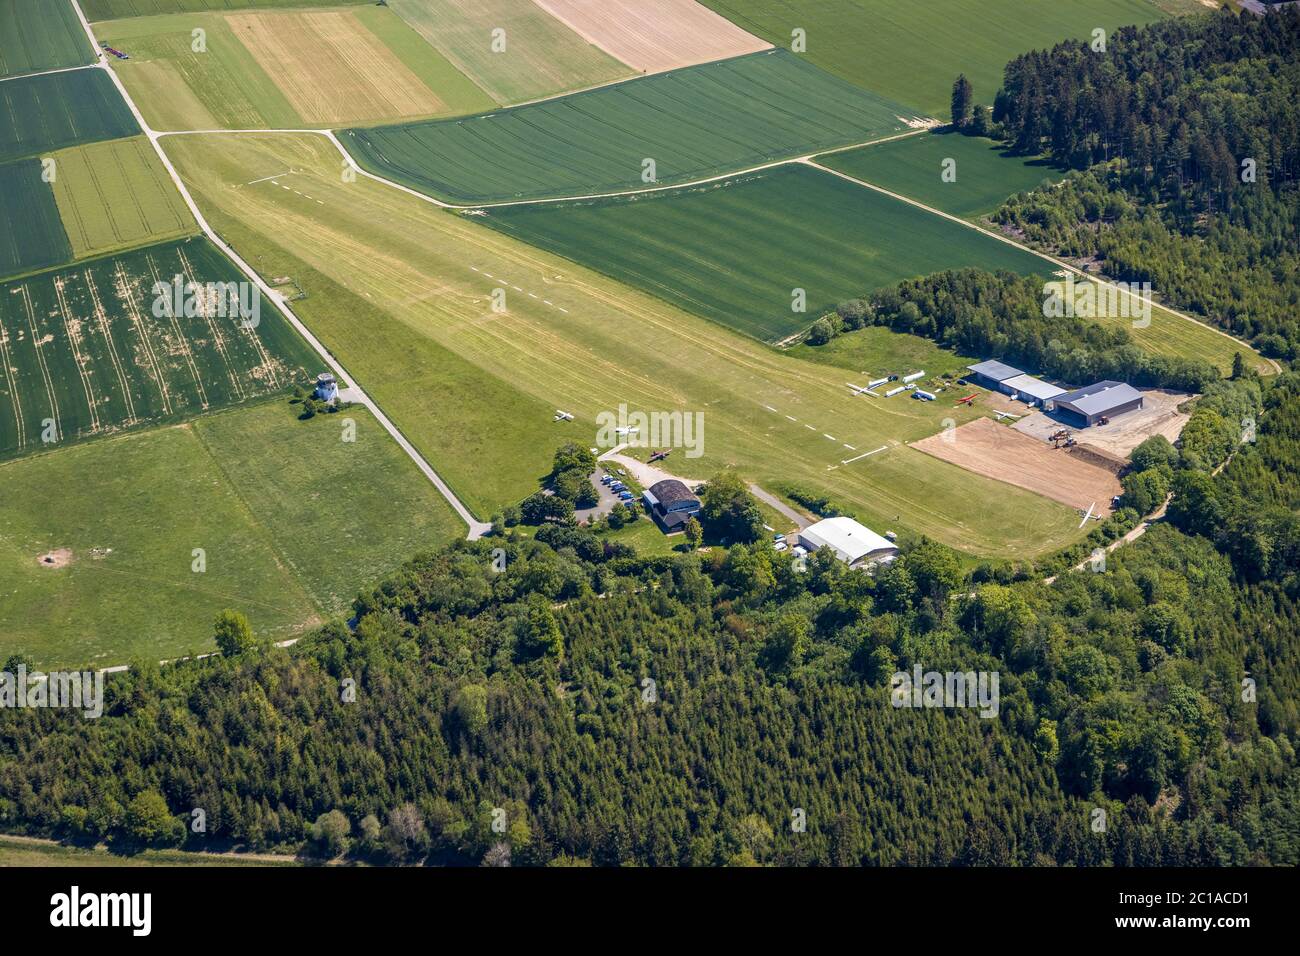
x=92, y=349
x=331, y=68
x=177, y=87
x=912, y=52
x=117, y=195
x=31, y=234
x=37, y=35
x=673, y=127
x=112, y=9
x=291, y=521
x=984, y=173
x=407, y=307
x=42, y=113
x=743, y=252
x=536, y=55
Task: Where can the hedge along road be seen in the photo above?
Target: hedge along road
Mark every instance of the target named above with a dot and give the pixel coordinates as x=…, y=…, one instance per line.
x=476, y=528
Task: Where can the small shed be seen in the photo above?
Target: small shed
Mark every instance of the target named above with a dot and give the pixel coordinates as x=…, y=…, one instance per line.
x=327, y=388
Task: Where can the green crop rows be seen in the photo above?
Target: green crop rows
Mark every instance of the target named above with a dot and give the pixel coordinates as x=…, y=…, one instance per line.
x=41, y=113
x=31, y=232
x=91, y=349
x=736, y=252
x=692, y=123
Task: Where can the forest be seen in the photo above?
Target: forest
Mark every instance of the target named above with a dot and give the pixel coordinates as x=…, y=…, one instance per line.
x=586, y=706
x=1185, y=138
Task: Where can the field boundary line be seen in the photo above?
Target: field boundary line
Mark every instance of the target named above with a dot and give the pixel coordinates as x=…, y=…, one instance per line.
x=1146, y=300
x=62, y=69
x=476, y=528
x=332, y=136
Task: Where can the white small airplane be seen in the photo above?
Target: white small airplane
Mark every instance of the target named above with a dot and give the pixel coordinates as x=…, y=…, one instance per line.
x=562, y=416
x=861, y=390
x=1088, y=514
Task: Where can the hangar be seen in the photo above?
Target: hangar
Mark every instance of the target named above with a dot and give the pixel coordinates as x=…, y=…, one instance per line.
x=992, y=374
x=1085, y=407
x=1030, y=390
x=853, y=543
x=671, y=504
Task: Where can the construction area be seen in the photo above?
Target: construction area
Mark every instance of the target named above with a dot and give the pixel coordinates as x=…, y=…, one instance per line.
x=1159, y=415
x=1072, y=476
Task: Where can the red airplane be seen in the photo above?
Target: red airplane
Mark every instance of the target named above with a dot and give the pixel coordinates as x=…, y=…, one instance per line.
x=968, y=399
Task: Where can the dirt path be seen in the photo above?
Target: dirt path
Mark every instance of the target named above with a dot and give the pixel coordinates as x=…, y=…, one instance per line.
x=476, y=528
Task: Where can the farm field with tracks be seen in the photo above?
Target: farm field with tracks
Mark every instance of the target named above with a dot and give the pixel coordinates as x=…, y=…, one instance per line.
x=734, y=252
x=541, y=56
x=889, y=47
x=407, y=309
x=289, y=519
x=693, y=123
x=90, y=349
x=41, y=113
x=31, y=233
x=117, y=195
x=38, y=35
x=986, y=174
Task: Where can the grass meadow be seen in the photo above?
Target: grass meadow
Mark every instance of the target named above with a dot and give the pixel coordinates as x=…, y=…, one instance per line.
x=292, y=522
x=408, y=310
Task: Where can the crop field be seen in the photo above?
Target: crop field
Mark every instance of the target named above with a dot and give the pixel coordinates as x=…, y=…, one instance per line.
x=891, y=48
x=332, y=69
x=290, y=520
x=116, y=195
x=736, y=251
x=691, y=123
x=986, y=174
x=41, y=113
x=541, y=56
x=92, y=349
x=38, y=35
x=113, y=9
x=31, y=234
x=408, y=309
x=655, y=37
x=287, y=69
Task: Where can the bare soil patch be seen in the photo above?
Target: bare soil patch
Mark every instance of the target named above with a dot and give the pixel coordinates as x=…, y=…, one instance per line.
x=59, y=558
x=1007, y=455
x=653, y=37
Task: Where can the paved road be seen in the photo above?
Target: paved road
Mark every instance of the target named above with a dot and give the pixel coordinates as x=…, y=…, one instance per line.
x=772, y=501
x=476, y=528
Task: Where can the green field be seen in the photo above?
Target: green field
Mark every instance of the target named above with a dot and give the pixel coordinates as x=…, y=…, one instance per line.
x=116, y=195
x=694, y=123
x=177, y=88
x=912, y=52
x=17, y=851
x=407, y=309
x=31, y=234
x=112, y=9
x=41, y=113
x=291, y=519
x=542, y=56
x=986, y=174
x=734, y=252
x=877, y=351
x=38, y=35
x=90, y=349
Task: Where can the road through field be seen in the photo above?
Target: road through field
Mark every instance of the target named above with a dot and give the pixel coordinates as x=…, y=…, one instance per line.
x=476, y=528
